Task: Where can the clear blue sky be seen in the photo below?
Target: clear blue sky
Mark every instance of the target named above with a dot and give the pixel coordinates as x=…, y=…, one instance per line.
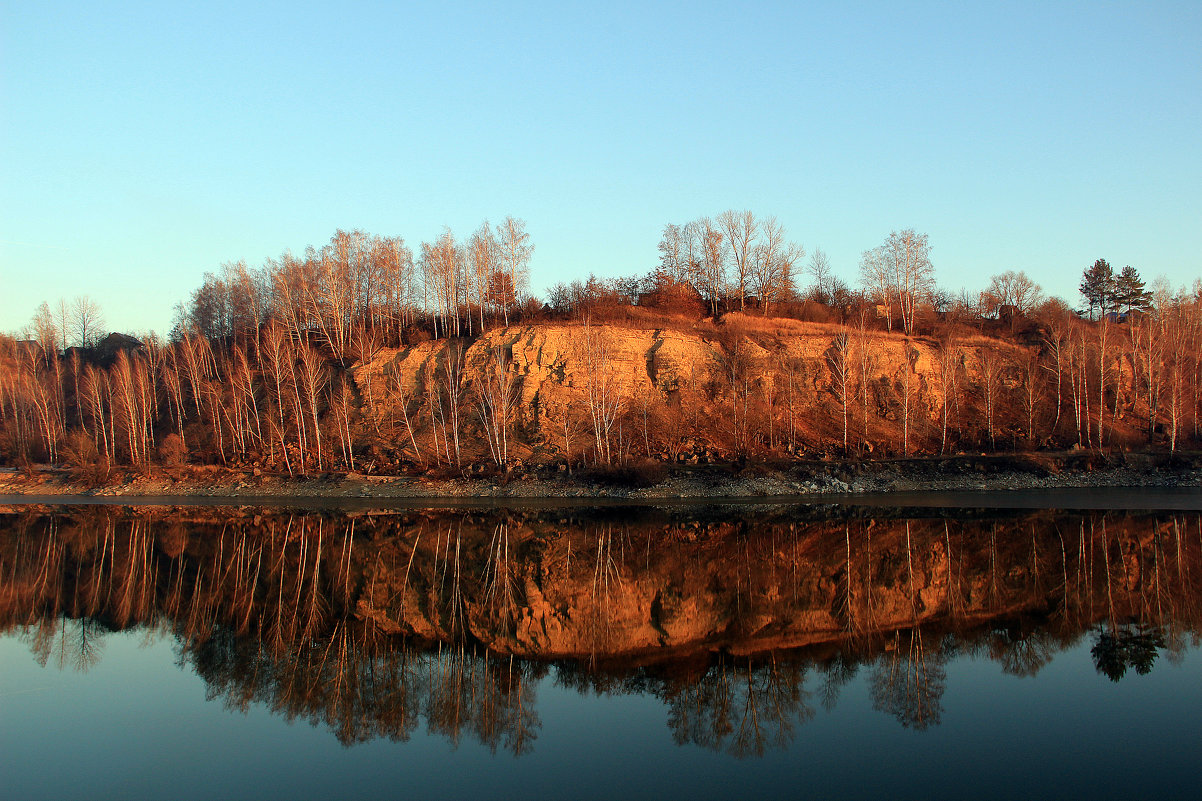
x=144, y=144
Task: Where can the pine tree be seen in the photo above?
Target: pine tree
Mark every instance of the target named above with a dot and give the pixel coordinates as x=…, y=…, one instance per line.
x=1130, y=292
x=1098, y=286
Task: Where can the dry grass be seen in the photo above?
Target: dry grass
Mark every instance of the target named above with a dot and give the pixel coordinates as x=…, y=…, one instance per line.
x=779, y=327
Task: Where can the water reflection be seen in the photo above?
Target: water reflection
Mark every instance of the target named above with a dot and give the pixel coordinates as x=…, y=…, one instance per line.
x=1130, y=646
x=740, y=622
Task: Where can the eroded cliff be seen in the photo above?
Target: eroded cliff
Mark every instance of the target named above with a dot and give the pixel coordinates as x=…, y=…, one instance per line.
x=720, y=391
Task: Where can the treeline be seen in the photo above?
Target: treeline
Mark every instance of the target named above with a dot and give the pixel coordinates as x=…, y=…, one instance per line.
x=258, y=368
x=462, y=286
x=457, y=287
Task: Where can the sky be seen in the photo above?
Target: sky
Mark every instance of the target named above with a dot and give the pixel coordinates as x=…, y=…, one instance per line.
x=142, y=145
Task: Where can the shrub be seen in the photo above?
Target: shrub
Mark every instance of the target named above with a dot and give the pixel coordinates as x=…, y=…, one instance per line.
x=172, y=450
x=79, y=450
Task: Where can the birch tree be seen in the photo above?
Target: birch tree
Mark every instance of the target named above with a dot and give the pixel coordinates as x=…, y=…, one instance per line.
x=900, y=270
x=948, y=364
x=819, y=270
x=839, y=359
x=707, y=260
x=741, y=230
x=772, y=264
x=86, y=320
x=483, y=266
x=593, y=350
x=497, y=398
x=515, y=252
x=313, y=378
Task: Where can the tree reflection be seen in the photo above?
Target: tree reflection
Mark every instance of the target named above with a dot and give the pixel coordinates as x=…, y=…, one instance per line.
x=908, y=681
x=837, y=672
x=373, y=625
x=1126, y=647
x=740, y=708
x=1020, y=651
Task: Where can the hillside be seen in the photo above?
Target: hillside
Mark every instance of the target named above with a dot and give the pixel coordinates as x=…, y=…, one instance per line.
x=749, y=387
x=634, y=393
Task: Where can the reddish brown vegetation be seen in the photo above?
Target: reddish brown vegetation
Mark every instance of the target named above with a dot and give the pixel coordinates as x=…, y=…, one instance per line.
x=358, y=357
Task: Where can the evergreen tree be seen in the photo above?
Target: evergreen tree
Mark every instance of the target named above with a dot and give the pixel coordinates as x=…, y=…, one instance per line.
x=1130, y=292
x=1098, y=286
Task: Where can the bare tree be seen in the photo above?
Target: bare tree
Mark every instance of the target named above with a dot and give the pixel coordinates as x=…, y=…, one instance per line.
x=497, y=398
x=452, y=376
x=400, y=400
x=45, y=329
x=594, y=351
x=770, y=271
x=735, y=365
x=364, y=347
x=86, y=320
x=741, y=229
x=443, y=280
x=839, y=358
x=1031, y=371
x=1055, y=342
x=673, y=253
x=275, y=354
x=867, y=364
x=515, y=252
x=245, y=398
x=394, y=264
x=823, y=276
x=707, y=260
x=900, y=270
x=341, y=401
x=332, y=297
x=874, y=277
x=909, y=378
x=992, y=364
x=62, y=314
x=483, y=267
x=1078, y=382
x=313, y=378
x=1103, y=357
x=948, y=363
x=288, y=281
x=1176, y=369
x=1015, y=289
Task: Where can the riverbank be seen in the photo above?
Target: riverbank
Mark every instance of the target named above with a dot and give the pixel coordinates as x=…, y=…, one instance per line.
x=999, y=472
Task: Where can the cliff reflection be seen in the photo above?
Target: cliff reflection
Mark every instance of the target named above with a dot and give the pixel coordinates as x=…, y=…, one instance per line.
x=741, y=623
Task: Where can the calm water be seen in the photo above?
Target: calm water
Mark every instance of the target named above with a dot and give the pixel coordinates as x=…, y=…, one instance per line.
x=580, y=653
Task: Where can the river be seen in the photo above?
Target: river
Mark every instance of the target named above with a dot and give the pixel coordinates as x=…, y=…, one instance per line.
x=984, y=645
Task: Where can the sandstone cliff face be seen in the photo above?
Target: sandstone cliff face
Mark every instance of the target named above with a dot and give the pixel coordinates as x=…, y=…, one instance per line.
x=763, y=378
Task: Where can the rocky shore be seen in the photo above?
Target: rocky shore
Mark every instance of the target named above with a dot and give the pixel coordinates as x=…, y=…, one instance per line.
x=1032, y=471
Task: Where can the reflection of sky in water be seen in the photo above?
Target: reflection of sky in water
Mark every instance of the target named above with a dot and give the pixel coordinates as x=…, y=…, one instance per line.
x=135, y=725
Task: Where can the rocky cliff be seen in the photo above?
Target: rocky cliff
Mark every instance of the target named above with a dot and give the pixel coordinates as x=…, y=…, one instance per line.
x=725, y=390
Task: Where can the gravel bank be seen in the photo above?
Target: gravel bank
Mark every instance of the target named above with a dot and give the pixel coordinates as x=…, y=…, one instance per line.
x=757, y=480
